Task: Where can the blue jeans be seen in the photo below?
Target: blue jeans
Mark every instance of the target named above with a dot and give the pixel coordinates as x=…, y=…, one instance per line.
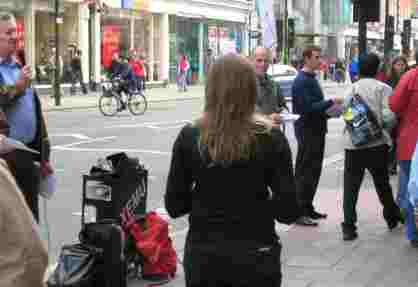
x=403, y=198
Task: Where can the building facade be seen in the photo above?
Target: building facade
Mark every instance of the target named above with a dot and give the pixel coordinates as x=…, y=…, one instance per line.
x=159, y=30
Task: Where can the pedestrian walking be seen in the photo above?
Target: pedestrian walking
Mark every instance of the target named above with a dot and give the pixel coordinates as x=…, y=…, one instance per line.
x=182, y=71
x=22, y=109
x=391, y=77
x=404, y=102
x=138, y=70
x=232, y=173
x=270, y=100
x=372, y=155
x=77, y=72
x=310, y=131
x=116, y=66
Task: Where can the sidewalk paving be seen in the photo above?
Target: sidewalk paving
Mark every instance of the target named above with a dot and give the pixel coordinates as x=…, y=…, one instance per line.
x=154, y=96
x=318, y=257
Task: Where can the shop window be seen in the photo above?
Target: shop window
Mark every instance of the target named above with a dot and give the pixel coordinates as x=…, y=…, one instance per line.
x=116, y=37
x=45, y=44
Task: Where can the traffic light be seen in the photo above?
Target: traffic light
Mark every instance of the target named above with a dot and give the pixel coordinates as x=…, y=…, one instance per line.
x=406, y=34
x=291, y=33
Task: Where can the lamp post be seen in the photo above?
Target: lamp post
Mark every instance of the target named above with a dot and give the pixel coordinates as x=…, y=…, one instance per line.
x=57, y=90
x=286, y=33
x=249, y=25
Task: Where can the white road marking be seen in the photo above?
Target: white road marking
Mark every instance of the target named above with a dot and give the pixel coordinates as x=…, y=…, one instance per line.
x=330, y=160
x=148, y=124
x=77, y=136
x=156, y=152
x=170, y=127
x=60, y=147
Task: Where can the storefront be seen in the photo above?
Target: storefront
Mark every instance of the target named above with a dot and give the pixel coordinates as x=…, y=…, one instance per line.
x=46, y=44
x=184, y=40
x=125, y=30
x=224, y=38
x=194, y=37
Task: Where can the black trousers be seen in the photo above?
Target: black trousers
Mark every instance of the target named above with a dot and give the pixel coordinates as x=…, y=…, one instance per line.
x=375, y=160
x=310, y=155
x=216, y=266
x=27, y=178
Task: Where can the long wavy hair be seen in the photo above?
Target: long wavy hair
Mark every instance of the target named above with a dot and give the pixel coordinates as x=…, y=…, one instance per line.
x=392, y=75
x=228, y=123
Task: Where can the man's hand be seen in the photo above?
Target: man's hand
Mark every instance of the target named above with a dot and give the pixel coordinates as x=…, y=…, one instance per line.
x=275, y=117
x=26, y=74
x=25, y=79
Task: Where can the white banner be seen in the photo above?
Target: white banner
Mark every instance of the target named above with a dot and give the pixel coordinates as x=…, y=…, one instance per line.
x=268, y=22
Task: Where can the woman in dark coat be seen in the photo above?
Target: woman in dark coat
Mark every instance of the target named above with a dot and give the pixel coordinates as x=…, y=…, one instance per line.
x=232, y=173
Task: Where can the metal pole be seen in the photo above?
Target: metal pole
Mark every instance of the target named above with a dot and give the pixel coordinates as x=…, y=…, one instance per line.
x=57, y=92
x=249, y=27
x=398, y=8
x=362, y=33
x=286, y=34
x=386, y=44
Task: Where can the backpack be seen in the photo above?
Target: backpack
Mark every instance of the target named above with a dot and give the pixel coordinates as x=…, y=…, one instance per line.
x=151, y=239
x=361, y=122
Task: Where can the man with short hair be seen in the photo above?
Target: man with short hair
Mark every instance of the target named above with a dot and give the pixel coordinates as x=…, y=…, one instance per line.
x=23, y=112
x=310, y=130
x=270, y=101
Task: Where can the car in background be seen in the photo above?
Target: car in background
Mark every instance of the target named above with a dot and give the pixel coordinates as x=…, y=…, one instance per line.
x=284, y=76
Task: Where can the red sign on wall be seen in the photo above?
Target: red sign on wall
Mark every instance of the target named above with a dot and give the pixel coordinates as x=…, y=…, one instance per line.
x=110, y=43
x=20, y=34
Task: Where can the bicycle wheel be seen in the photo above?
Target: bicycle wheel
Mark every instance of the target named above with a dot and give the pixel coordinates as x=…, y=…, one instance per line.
x=108, y=105
x=137, y=104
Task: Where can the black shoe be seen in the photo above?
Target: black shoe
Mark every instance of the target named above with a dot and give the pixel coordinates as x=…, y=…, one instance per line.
x=414, y=243
x=306, y=221
x=317, y=215
x=349, y=232
x=393, y=221
x=393, y=170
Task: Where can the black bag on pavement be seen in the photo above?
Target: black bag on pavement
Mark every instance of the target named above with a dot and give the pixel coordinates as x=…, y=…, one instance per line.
x=108, y=236
x=79, y=265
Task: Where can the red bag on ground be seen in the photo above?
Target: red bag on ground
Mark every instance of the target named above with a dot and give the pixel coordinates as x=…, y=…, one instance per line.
x=154, y=243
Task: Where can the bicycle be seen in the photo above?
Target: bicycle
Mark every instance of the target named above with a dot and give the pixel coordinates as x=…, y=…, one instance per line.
x=117, y=96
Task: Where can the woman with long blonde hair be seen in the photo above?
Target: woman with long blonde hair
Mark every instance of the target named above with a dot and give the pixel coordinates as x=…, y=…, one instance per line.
x=232, y=173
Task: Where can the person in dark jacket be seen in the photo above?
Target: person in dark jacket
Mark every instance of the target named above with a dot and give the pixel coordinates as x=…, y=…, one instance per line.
x=233, y=174
x=310, y=130
x=116, y=66
x=77, y=71
x=270, y=100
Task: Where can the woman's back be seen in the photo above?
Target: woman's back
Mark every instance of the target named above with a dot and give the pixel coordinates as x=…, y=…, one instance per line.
x=232, y=202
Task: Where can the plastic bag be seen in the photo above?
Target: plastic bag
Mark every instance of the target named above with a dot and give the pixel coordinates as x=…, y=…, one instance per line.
x=413, y=179
x=78, y=266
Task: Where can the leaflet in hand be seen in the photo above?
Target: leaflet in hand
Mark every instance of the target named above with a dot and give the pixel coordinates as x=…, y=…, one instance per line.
x=286, y=117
